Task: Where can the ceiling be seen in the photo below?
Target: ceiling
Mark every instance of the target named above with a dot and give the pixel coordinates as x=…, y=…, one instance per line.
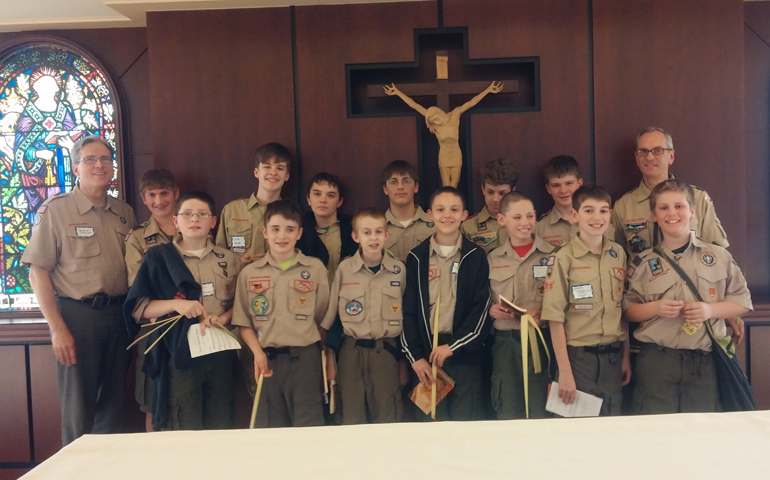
x=24, y=15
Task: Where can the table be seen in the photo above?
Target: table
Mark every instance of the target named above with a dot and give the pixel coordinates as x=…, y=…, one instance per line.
x=686, y=446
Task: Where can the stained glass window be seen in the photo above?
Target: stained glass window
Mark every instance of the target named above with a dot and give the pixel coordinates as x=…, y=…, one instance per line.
x=50, y=96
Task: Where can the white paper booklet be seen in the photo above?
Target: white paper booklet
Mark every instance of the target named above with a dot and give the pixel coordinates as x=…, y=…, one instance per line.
x=585, y=404
x=215, y=340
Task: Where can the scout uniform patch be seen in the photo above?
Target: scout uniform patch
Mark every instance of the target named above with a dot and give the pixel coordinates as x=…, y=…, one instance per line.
x=708, y=259
x=259, y=284
x=394, y=308
x=484, y=238
x=305, y=274
x=302, y=301
x=353, y=308
x=432, y=272
x=259, y=305
x=613, y=253
x=305, y=286
x=655, y=267
x=396, y=269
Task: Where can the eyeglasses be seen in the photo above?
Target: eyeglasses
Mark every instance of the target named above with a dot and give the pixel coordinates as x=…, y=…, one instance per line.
x=189, y=215
x=92, y=160
x=642, y=152
x=394, y=182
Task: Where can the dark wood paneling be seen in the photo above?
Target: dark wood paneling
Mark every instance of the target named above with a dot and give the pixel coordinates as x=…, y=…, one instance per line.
x=757, y=58
x=557, y=32
x=221, y=85
x=328, y=37
x=661, y=62
x=121, y=51
x=14, y=421
x=46, y=413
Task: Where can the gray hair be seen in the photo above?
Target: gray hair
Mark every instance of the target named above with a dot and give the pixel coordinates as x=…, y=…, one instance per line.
x=669, y=140
x=75, y=151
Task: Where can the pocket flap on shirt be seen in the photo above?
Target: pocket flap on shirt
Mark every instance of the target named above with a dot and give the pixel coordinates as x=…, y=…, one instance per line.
x=350, y=293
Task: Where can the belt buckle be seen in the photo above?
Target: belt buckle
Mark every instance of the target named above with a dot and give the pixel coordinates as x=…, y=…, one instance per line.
x=99, y=301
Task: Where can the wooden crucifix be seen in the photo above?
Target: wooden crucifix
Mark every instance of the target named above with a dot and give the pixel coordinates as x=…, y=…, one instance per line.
x=445, y=126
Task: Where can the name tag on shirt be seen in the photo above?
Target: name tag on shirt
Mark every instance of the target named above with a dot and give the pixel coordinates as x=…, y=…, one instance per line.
x=582, y=292
x=539, y=271
x=238, y=241
x=455, y=267
x=84, y=231
x=208, y=289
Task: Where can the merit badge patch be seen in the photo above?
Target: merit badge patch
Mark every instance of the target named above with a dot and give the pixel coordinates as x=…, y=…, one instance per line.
x=259, y=305
x=396, y=269
x=259, y=284
x=708, y=259
x=305, y=286
x=430, y=224
x=655, y=267
x=712, y=292
x=395, y=308
x=302, y=301
x=305, y=274
x=613, y=253
x=353, y=308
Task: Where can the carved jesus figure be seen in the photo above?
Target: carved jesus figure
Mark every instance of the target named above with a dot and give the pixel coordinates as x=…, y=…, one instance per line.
x=446, y=128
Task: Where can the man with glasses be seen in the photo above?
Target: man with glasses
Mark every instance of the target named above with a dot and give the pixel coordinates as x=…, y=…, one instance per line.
x=634, y=228
x=78, y=274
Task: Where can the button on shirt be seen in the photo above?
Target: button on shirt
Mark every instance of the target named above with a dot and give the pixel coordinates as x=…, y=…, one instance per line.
x=520, y=280
x=442, y=276
x=403, y=239
x=240, y=227
x=368, y=304
x=82, y=246
x=484, y=230
x=142, y=238
x=584, y=291
x=557, y=230
x=631, y=216
x=283, y=306
x=715, y=275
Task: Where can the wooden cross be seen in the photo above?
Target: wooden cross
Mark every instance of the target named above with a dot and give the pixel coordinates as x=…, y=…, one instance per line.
x=442, y=88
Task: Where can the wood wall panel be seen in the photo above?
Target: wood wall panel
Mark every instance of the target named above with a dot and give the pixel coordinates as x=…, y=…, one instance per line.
x=357, y=150
x=220, y=85
x=46, y=413
x=557, y=32
x=757, y=59
x=659, y=62
x=14, y=421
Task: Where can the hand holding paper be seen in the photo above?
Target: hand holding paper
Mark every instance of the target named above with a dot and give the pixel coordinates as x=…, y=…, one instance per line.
x=216, y=340
x=585, y=405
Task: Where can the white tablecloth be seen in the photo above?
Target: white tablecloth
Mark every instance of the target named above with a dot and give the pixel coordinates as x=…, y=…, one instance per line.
x=722, y=446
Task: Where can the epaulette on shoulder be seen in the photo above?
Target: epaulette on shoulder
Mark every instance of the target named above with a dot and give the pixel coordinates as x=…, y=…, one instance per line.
x=472, y=216
x=58, y=196
x=137, y=227
x=543, y=215
x=556, y=248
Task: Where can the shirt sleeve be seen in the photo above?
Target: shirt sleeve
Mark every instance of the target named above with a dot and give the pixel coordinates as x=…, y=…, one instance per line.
x=331, y=310
x=45, y=244
x=241, y=312
x=322, y=296
x=736, y=290
x=711, y=230
x=134, y=255
x=221, y=239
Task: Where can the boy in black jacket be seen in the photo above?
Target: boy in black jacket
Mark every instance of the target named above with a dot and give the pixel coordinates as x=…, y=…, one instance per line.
x=449, y=268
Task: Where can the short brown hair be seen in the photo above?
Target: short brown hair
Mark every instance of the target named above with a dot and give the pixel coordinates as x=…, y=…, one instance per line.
x=368, y=212
x=672, y=185
x=512, y=197
x=400, y=167
x=560, y=166
x=284, y=208
x=499, y=171
x=447, y=189
x=590, y=192
x=272, y=151
x=159, y=178
x=195, y=195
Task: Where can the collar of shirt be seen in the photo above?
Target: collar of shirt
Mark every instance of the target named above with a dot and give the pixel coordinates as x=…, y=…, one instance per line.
x=84, y=204
x=434, y=247
x=387, y=262
x=206, y=250
x=153, y=228
x=252, y=201
x=538, y=245
x=694, y=243
x=483, y=215
x=579, y=248
x=554, y=216
x=418, y=214
x=268, y=258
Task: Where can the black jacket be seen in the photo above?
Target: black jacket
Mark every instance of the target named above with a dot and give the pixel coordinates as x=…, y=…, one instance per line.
x=311, y=245
x=471, y=324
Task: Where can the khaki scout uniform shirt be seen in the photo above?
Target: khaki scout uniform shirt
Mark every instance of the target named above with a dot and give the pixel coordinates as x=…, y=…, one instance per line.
x=632, y=216
x=520, y=280
x=240, y=226
x=82, y=246
x=333, y=243
x=369, y=304
x=216, y=271
x=711, y=269
x=584, y=291
x=283, y=306
x=483, y=230
x=557, y=230
x=141, y=239
x=442, y=276
x=403, y=239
